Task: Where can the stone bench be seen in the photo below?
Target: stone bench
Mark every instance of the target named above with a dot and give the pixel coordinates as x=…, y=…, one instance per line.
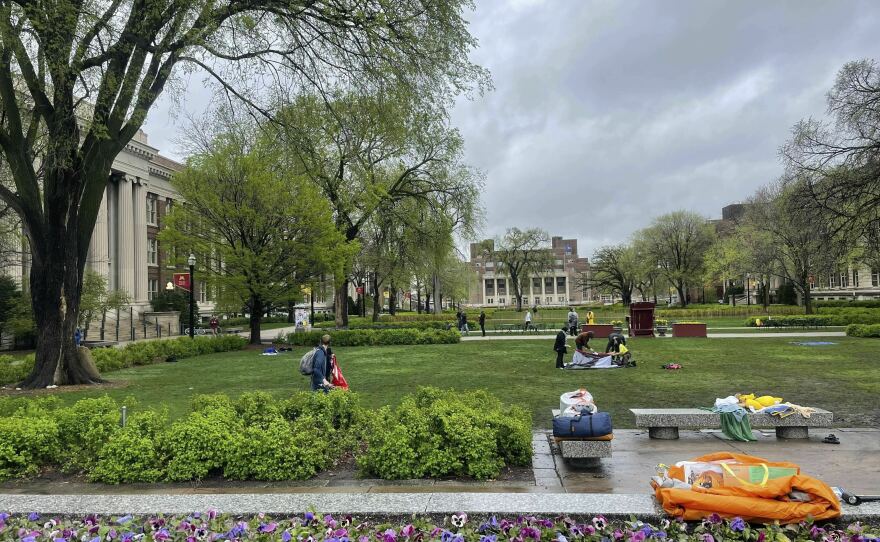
x=583, y=449
x=664, y=423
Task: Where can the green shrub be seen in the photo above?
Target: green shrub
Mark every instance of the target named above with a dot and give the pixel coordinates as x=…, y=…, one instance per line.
x=26, y=445
x=863, y=330
x=440, y=433
x=281, y=450
x=865, y=304
x=13, y=370
x=132, y=454
x=199, y=444
x=257, y=409
x=833, y=316
x=84, y=429
x=149, y=352
x=376, y=337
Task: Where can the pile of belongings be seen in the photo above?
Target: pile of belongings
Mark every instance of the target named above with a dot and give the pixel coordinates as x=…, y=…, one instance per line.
x=734, y=411
x=752, y=488
x=580, y=419
x=271, y=351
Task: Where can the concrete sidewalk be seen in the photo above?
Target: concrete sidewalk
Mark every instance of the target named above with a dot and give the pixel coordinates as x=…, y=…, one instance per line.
x=549, y=338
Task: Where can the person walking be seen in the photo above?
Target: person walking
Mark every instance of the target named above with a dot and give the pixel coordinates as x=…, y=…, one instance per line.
x=572, y=321
x=458, y=314
x=560, y=347
x=464, y=325
x=483, y=322
x=321, y=368
x=528, y=322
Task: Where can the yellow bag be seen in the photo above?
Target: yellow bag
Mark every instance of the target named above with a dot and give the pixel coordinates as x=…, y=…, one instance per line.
x=767, y=400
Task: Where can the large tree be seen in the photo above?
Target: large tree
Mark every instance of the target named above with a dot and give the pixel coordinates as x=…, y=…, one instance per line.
x=77, y=79
x=615, y=270
x=520, y=254
x=803, y=247
x=370, y=153
x=835, y=161
x=677, y=243
x=266, y=230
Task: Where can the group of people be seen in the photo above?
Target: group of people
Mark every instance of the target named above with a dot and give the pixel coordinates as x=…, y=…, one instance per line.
x=461, y=319
x=616, y=354
x=574, y=320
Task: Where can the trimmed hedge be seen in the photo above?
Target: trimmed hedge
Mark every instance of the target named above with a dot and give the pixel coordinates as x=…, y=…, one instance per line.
x=827, y=317
x=864, y=304
x=259, y=437
x=375, y=337
x=438, y=433
x=138, y=353
x=863, y=330
x=422, y=325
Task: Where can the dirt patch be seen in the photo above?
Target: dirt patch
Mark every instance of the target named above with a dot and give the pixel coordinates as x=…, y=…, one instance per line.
x=10, y=391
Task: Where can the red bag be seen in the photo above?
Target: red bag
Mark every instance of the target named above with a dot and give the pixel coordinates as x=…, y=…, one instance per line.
x=336, y=374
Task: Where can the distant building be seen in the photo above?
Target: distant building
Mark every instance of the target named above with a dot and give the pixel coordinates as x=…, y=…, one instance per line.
x=557, y=286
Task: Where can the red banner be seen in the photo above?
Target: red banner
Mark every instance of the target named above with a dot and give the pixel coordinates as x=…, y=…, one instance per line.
x=181, y=280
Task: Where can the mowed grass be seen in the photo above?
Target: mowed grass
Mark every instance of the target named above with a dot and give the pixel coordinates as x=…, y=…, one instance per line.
x=843, y=378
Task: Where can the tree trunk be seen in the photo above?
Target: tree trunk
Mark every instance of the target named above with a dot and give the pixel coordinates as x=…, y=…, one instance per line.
x=290, y=318
x=436, y=290
x=56, y=286
x=103, y=322
x=256, y=319
x=626, y=296
x=392, y=300
x=808, y=299
x=342, y=305
x=682, y=294
x=427, y=301
x=418, y=298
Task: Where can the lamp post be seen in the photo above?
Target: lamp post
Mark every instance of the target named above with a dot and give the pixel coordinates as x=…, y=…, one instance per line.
x=749, y=289
x=192, y=295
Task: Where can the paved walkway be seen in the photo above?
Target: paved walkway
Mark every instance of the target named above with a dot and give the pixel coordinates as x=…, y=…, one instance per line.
x=793, y=334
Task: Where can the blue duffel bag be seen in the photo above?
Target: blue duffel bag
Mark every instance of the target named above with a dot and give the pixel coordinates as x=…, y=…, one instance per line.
x=584, y=426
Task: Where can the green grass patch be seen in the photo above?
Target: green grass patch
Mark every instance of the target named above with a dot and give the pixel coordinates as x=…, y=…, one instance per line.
x=843, y=378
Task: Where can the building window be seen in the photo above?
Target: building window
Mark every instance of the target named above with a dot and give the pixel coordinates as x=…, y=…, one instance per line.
x=490, y=265
x=536, y=285
x=537, y=300
x=548, y=285
x=490, y=301
x=152, y=251
x=502, y=288
x=203, y=292
x=844, y=279
x=152, y=288
x=501, y=301
x=561, y=299
x=875, y=277
x=490, y=286
x=560, y=285
x=549, y=300
x=832, y=280
x=855, y=281
x=151, y=209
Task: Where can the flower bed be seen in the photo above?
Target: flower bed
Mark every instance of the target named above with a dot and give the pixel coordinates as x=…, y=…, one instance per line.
x=312, y=527
x=374, y=337
x=689, y=329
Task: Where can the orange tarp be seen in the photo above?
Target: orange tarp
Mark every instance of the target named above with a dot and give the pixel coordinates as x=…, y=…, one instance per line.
x=758, y=502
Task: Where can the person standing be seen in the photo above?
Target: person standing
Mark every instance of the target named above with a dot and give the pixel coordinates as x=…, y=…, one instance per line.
x=215, y=324
x=483, y=322
x=321, y=368
x=458, y=314
x=572, y=321
x=464, y=325
x=591, y=319
x=560, y=347
x=528, y=322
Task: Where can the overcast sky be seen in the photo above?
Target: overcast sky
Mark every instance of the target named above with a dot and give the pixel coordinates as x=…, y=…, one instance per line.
x=606, y=114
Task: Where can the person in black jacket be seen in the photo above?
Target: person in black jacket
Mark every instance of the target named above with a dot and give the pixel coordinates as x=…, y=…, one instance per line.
x=560, y=347
x=483, y=322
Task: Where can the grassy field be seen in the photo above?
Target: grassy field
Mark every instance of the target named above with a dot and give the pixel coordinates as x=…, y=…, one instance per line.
x=843, y=378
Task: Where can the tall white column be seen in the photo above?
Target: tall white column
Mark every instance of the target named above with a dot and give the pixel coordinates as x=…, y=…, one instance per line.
x=99, y=249
x=140, y=242
x=125, y=237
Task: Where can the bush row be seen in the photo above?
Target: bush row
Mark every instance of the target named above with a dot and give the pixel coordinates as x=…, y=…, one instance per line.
x=244, y=321
x=375, y=337
x=420, y=324
x=138, y=353
x=440, y=433
x=840, y=319
x=258, y=437
x=863, y=330
x=864, y=304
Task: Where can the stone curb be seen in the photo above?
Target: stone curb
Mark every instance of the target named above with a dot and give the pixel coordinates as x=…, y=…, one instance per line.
x=372, y=505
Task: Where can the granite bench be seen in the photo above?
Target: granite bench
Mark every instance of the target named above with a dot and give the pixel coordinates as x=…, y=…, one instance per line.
x=583, y=449
x=664, y=423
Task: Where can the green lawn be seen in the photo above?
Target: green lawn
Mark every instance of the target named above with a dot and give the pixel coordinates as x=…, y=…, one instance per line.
x=843, y=378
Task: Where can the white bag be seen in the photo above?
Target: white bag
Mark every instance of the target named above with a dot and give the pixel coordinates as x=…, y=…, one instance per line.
x=572, y=402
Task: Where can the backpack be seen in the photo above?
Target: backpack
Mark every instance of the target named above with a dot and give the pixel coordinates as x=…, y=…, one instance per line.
x=307, y=362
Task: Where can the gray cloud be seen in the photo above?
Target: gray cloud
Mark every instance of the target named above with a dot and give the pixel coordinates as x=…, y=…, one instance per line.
x=606, y=114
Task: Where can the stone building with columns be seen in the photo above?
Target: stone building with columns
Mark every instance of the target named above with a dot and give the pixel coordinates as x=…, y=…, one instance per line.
x=557, y=286
x=125, y=248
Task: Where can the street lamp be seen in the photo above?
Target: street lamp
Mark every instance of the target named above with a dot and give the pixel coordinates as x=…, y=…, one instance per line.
x=192, y=296
x=748, y=289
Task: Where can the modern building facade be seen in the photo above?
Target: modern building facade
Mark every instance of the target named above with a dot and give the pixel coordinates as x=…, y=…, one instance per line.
x=555, y=287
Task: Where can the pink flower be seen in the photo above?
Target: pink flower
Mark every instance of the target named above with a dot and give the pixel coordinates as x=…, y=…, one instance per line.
x=408, y=531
